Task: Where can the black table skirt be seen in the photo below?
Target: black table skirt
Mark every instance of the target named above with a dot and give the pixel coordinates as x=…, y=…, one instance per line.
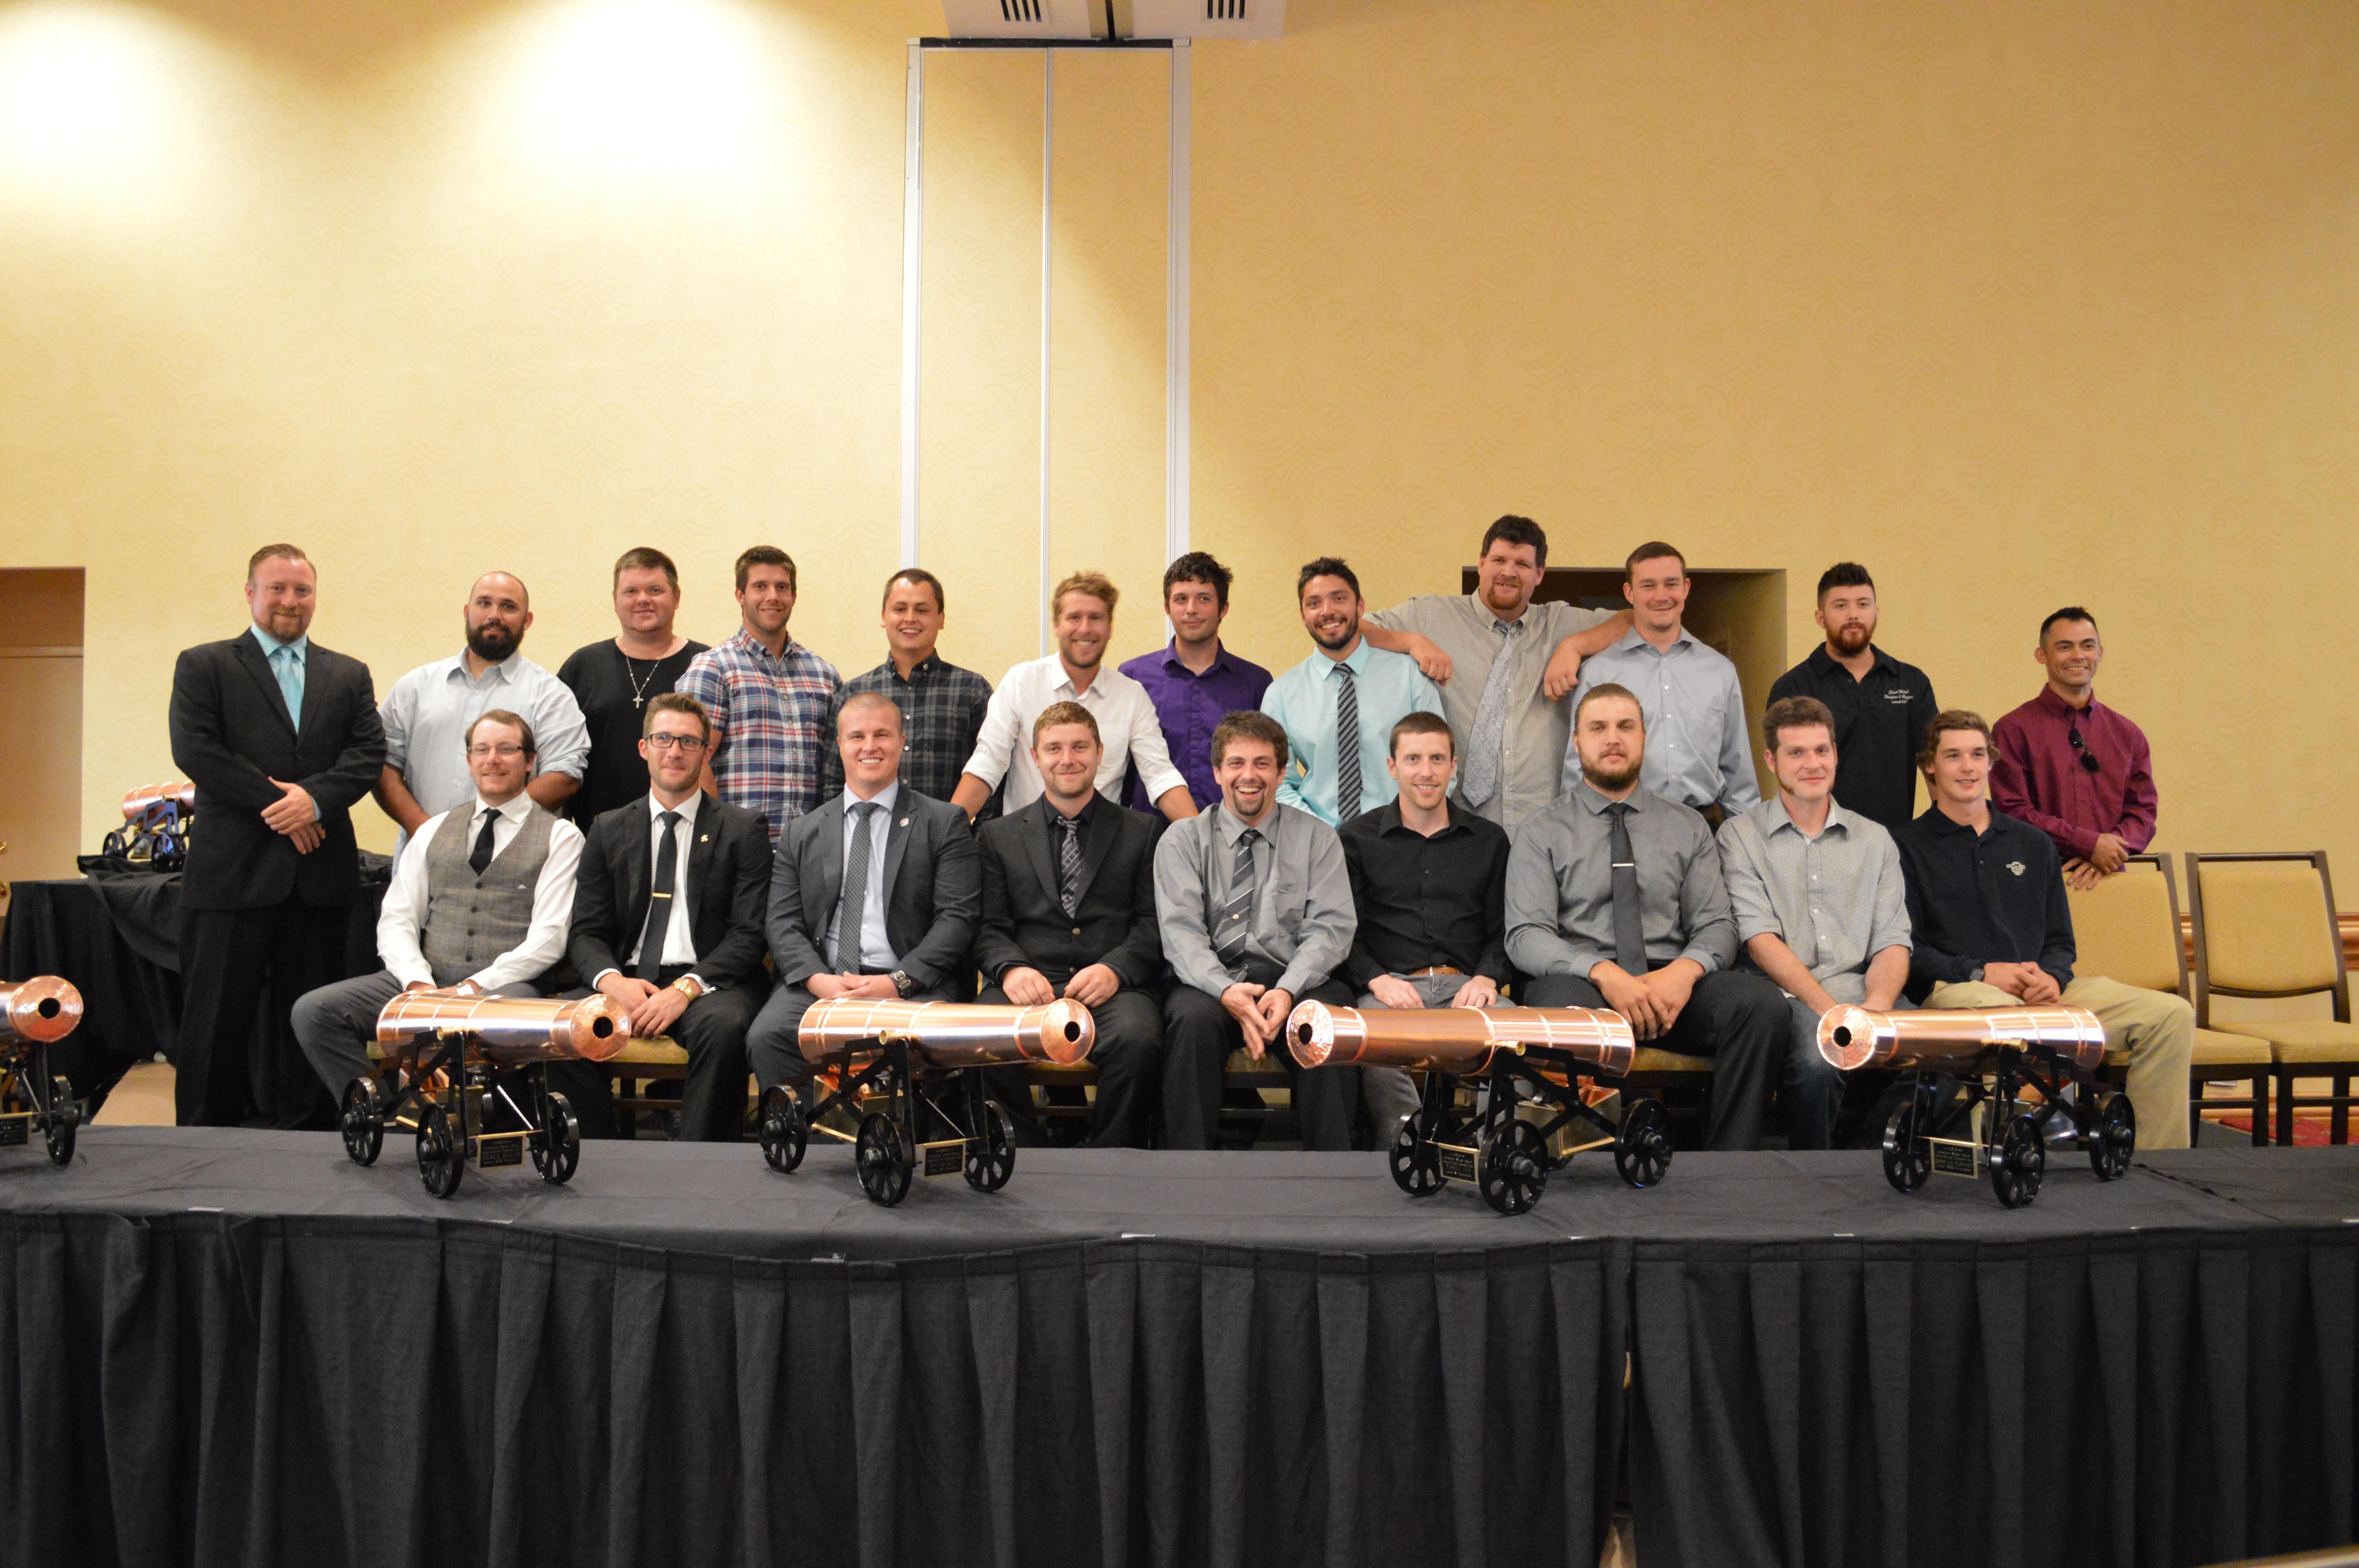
x=227, y=1347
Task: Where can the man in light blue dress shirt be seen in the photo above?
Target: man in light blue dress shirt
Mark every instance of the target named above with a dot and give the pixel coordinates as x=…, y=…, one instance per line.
x=1697, y=749
x=1339, y=706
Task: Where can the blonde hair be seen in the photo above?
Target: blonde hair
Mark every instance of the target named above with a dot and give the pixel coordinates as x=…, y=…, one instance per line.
x=1095, y=584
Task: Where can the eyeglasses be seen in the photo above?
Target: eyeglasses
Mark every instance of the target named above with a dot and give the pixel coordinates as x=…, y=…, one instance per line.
x=682, y=743
x=2080, y=749
x=505, y=753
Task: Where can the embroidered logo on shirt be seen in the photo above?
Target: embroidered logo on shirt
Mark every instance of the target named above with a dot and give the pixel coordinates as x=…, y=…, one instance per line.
x=2015, y=865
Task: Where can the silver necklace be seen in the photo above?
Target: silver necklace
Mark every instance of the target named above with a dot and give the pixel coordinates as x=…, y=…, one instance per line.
x=638, y=686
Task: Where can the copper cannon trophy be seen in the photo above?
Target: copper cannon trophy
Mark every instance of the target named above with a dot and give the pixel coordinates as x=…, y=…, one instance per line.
x=1949, y=1051
x=157, y=822
x=35, y=1015
x=1510, y=1051
x=461, y=1060
x=908, y=1070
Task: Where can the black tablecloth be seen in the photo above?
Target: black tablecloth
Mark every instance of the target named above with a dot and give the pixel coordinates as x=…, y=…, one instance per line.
x=227, y=1345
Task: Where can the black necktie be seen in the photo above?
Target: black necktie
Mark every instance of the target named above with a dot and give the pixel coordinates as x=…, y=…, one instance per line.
x=659, y=899
x=1629, y=936
x=852, y=910
x=1069, y=861
x=480, y=856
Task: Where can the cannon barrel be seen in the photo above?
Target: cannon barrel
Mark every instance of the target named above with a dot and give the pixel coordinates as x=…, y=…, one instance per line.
x=507, y=1029
x=141, y=802
x=951, y=1033
x=44, y=1007
x=1459, y=1039
x=1957, y=1037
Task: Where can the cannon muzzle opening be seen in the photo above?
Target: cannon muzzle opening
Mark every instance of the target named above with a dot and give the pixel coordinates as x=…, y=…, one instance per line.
x=1073, y=1030
x=49, y=1007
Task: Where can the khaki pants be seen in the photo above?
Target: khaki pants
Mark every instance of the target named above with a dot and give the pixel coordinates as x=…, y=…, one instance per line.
x=2156, y=1028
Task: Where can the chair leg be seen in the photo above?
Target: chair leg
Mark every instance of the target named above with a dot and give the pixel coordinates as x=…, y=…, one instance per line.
x=2283, y=1082
x=2342, y=1115
x=2261, y=1109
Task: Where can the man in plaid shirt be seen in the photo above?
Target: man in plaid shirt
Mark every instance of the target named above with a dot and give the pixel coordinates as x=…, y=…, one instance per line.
x=768, y=697
x=941, y=705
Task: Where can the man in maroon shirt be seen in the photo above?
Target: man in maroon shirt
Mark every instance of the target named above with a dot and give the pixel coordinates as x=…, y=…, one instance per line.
x=2071, y=767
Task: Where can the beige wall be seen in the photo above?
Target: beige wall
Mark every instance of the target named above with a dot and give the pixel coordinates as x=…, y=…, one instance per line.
x=2019, y=304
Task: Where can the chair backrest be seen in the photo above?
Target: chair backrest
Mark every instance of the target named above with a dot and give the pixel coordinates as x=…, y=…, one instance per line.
x=2265, y=927
x=2127, y=927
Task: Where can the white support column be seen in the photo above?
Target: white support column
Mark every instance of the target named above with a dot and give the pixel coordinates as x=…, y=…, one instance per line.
x=1047, y=166
x=1175, y=456
x=913, y=221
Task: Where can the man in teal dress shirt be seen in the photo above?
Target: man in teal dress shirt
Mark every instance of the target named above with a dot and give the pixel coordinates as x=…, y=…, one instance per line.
x=1339, y=706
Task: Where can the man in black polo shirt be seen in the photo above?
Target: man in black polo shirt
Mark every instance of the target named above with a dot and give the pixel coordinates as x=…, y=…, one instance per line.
x=1991, y=928
x=1429, y=884
x=1881, y=706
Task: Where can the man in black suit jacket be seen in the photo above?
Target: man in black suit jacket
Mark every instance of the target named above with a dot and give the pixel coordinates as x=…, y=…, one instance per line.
x=679, y=944
x=911, y=910
x=1069, y=909
x=280, y=737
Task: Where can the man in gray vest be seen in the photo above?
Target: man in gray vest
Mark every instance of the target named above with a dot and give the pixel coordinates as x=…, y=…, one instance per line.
x=480, y=901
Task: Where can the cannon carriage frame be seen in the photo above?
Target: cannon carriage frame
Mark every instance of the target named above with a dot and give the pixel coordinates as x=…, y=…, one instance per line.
x=34, y=1014
x=1509, y=1158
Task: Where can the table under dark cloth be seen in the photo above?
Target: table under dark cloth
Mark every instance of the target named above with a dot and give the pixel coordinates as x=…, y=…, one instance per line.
x=224, y=1345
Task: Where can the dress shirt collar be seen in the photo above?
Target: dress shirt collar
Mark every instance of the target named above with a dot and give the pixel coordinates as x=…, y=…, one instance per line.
x=1822, y=662
x=745, y=639
x=1357, y=663
x=1837, y=818
x=1064, y=679
x=687, y=808
x=1635, y=639
x=270, y=645
x=1219, y=666
x=516, y=808
x=1595, y=804
x=1228, y=827
x=2048, y=702
x=506, y=669
x=887, y=797
x=1388, y=820
x=1941, y=821
x=930, y=664
x=1081, y=818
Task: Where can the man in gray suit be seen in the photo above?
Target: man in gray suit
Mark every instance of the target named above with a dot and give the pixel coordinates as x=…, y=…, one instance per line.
x=875, y=893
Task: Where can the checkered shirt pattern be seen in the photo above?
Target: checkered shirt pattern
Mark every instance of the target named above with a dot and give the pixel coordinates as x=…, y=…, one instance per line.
x=770, y=714
x=941, y=711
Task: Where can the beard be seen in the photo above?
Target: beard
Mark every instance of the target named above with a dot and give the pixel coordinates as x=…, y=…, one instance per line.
x=491, y=642
x=1600, y=779
x=1340, y=640
x=1849, y=639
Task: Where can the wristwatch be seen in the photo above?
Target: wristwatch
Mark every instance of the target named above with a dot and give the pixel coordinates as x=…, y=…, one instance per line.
x=903, y=983
x=1974, y=976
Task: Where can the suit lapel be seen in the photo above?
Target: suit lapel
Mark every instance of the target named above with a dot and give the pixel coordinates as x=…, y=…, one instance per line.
x=703, y=844
x=1041, y=849
x=1106, y=829
x=248, y=653
x=828, y=844
x=634, y=876
x=896, y=844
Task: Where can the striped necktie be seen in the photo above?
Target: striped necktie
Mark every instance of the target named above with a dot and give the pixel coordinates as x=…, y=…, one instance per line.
x=1347, y=745
x=1069, y=861
x=1236, y=909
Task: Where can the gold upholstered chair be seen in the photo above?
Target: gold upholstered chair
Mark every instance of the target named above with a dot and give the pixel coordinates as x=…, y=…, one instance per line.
x=2126, y=928
x=2265, y=927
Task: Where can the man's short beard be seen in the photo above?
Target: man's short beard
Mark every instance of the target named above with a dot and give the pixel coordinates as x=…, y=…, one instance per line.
x=1602, y=781
x=480, y=643
x=1853, y=639
x=1342, y=641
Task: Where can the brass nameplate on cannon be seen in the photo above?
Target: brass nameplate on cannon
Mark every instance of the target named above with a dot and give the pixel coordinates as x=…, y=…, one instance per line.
x=15, y=1129
x=1955, y=1157
x=493, y=1150
x=945, y=1158
x=1457, y=1161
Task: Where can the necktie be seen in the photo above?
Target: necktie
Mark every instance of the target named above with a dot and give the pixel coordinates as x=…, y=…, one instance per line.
x=480, y=856
x=851, y=909
x=1347, y=744
x=1482, y=744
x=1069, y=861
x=1236, y=909
x=660, y=900
x=287, y=664
x=1629, y=938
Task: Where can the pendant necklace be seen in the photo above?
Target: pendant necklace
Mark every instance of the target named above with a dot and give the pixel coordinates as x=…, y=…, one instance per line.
x=638, y=686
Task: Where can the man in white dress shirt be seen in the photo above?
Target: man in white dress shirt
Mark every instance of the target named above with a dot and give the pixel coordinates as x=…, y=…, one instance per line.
x=429, y=710
x=1076, y=672
x=480, y=903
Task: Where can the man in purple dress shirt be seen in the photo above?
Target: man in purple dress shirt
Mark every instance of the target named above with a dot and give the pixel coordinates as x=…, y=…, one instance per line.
x=1195, y=683
x=2071, y=767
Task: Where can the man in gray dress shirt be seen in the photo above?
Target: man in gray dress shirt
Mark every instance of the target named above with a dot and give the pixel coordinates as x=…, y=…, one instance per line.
x=1254, y=902
x=1615, y=899
x=1506, y=664
x=1820, y=903
x=1698, y=753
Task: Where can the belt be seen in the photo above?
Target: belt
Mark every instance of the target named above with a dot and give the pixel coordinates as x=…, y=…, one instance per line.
x=1429, y=971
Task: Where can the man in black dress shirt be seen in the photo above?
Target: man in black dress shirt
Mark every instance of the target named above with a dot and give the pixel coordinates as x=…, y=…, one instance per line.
x=1428, y=882
x=1069, y=909
x=615, y=679
x=280, y=737
x=1881, y=706
x=941, y=705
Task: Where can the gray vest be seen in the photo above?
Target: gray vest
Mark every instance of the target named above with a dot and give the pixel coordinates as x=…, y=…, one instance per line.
x=472, y=920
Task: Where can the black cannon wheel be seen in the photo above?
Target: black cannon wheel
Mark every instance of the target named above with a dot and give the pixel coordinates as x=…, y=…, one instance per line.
x=2018, y=1162
x=1416, y=1165
x=364, y=1120
x=991, y=1159
x=439, y=1164
x=784, y=1137
x=2115, y=1138
x=64, y=1117
x=1908, y=1158
x=883, y=1161
x=1642, y=1150
x=561, y=1129
x=1515, y=1167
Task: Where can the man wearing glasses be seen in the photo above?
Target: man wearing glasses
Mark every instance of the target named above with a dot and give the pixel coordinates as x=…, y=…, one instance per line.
x=667, y=922
x=479, y=903
x=2071, y=767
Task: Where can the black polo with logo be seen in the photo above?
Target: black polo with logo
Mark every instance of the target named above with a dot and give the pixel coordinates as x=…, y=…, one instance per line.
x=1879, y=724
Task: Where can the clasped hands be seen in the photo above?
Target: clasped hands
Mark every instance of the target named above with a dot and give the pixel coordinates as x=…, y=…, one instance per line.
x=1090, y=987
x=1480, y=990
x=296, y=815
x=1260, y=1012
x=2029, y=981
x=2083, y=873
x=654, y=1008
x=1652, y=1002
x=863, y=988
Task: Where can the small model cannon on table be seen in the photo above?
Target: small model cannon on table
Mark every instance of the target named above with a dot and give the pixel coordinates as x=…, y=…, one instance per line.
x=910, y=1071
x=2056, y=1050
x=34, y=1014
x=1508, y=1049
x=156, y=821
x=463, y=1055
